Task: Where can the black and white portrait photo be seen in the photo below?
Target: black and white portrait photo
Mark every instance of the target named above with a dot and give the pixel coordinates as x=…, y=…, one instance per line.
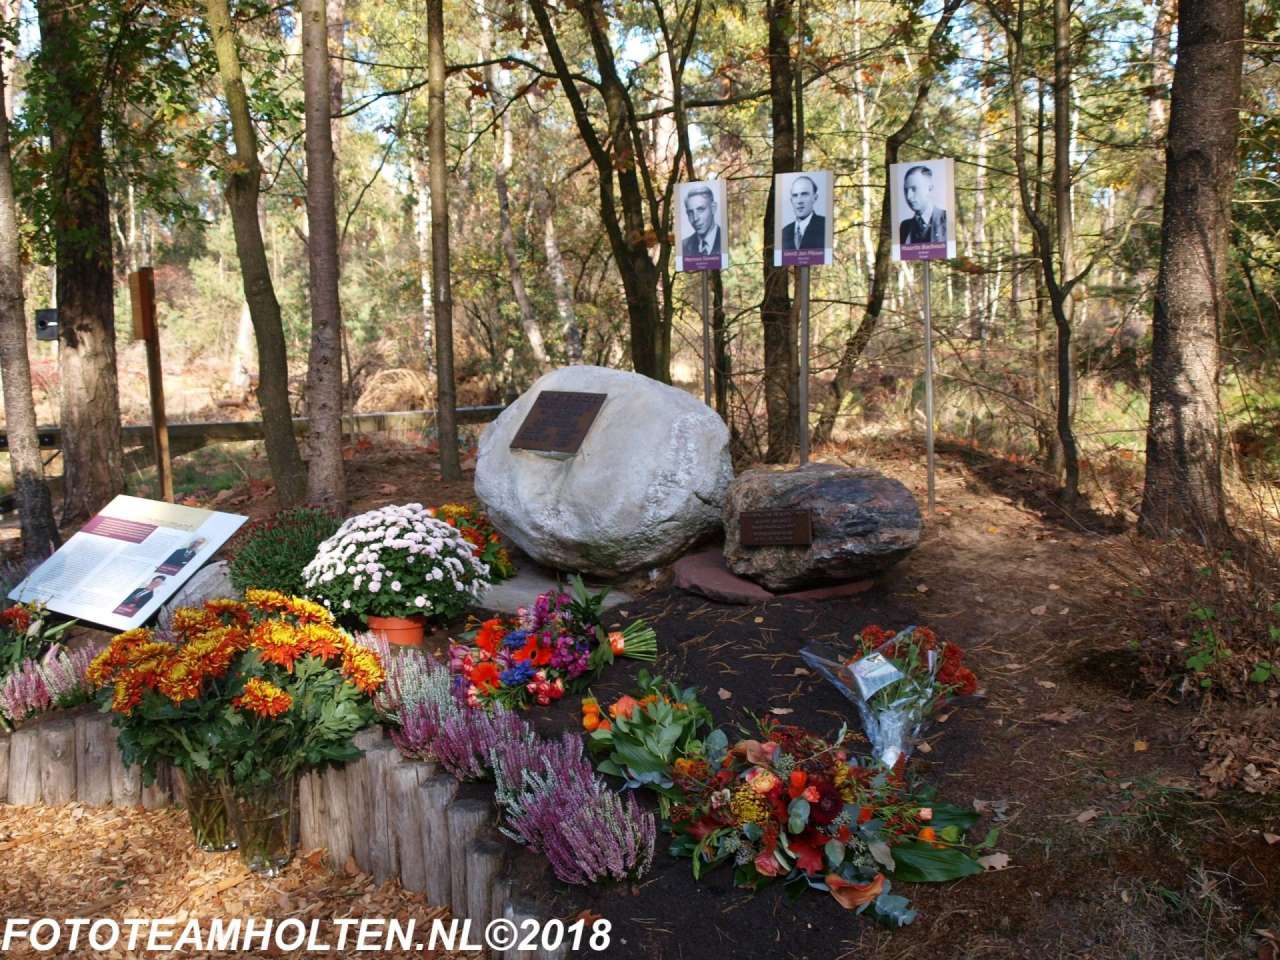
x=803, y=217
x=922, y=197
x=704, y=239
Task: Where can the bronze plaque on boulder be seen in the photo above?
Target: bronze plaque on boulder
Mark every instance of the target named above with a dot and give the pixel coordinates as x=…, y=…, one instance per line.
x=776, y=528
x=558, y=421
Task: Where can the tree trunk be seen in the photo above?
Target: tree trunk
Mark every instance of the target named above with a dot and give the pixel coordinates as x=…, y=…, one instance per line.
x=35, y=509
x=776, y=316
x=442, y=291
x=326, y=479
x=1068, y=459
x=501, y=166
x=560, y=288
x=1148, y=192
x=629, y=235
x=842, y=383
x=1183, y=489
x=422, y=239
x=240, y=375
x=244, y=173
x=92, y=454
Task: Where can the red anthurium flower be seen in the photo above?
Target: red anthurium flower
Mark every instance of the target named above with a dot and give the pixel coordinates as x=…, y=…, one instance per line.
x=807, y=848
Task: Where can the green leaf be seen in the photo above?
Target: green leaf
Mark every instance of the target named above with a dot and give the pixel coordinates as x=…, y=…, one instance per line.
x=919, y=863
x=834, y=851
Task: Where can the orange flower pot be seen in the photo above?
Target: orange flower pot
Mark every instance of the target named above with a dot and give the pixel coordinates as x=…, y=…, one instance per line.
x=399, y=631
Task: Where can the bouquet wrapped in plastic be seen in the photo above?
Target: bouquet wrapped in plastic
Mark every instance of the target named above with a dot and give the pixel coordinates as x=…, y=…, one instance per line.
x=896, y=680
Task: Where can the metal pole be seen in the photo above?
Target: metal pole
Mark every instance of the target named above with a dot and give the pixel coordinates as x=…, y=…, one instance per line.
x=707, y=359
x=928, y=383
x=802, y=297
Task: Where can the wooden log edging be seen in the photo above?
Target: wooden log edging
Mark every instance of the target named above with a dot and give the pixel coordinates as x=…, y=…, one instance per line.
x=419, y=826
x=71, y=756
x=395, y=819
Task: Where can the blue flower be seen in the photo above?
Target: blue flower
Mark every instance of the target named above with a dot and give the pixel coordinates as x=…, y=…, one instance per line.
x=517, y=675
x=515, y=639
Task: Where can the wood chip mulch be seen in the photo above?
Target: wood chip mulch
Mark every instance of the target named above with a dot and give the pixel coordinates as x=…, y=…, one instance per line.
x=77, y=861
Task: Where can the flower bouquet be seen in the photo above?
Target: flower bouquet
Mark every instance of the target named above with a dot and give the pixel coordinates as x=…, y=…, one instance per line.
x=397, y=562
x=250, y=694
x=795, y=808
x=641, y=738
x=549, y=650
x=897, y=681
x=475, y=526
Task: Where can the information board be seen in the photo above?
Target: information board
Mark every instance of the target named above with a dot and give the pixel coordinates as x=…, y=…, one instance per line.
x=126, y=561
x=776, y=528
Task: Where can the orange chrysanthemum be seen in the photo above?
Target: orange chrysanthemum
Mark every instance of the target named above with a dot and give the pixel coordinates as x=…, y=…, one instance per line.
x=263, y=698
x=363, y=668
x=273, y=601
x=227, y=609
x=278, y=642
x=323, y=641
x=181, y=680
x=189, y=622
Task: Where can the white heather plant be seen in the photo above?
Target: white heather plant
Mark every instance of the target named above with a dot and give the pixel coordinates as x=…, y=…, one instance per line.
x=396, y=561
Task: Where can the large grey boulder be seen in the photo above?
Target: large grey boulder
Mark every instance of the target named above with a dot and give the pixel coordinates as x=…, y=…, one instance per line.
x=647, y=483
x=863, y=523
x=210, y=582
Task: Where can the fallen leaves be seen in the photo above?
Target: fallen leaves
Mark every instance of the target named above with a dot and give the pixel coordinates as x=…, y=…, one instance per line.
x=1088, y=816
x=1041, y=610
x=724, y=694
x=1062, y=717
x=994, y=861
x=1271, y=838
x=1141, y=746
x=781, y=711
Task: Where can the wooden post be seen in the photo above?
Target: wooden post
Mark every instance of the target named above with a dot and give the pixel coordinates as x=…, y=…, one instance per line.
x=157, y=796
x=405, y=797
x=382, y=837
x=338, y=828
x=359, y=804
x=311, y=812
x=24, y=766
x=4, y=768
x=93, y=759
x=484, y=864
x=58, y=761
x=437, y=793
x=468, y=816
x=142, y=292
x=126, y=782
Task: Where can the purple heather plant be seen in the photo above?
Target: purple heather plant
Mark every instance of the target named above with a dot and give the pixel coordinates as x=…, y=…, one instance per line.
x=25, y=692
x=554, y=803
x=464, y=743
x=64, y=673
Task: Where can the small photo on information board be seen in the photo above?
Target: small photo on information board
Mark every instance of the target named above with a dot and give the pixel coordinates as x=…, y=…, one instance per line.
x=129, y=559
x=922, y=204
x=803, y=219
x=704, y=226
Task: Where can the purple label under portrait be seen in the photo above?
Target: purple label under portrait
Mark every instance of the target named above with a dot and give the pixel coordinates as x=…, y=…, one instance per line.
x=924, y=251
x=803, y=258
x=694, y=262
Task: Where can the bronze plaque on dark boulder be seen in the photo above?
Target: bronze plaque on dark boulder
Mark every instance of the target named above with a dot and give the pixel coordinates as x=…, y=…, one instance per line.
x=776, y=528
x=558, y=421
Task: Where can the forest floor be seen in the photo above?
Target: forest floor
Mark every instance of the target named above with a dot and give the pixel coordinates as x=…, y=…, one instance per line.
x=1092, y=776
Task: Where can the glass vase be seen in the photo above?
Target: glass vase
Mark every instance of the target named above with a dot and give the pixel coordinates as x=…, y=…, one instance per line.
x=262, y=818
x=207, y=812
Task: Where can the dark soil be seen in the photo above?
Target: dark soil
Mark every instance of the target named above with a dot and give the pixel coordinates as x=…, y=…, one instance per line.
x=1089, y=774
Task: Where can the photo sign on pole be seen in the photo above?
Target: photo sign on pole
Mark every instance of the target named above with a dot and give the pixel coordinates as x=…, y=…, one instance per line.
x=129, y=559
x=804, y=219
x=922, y=204
x=703, y=247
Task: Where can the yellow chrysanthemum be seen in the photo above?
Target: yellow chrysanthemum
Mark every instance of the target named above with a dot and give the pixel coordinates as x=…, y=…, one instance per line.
x=322, y=640
x=362, y=667
x=278, y=642
x=181, y=680
x=224, y=608
x=263, y=698
x=188, y=622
